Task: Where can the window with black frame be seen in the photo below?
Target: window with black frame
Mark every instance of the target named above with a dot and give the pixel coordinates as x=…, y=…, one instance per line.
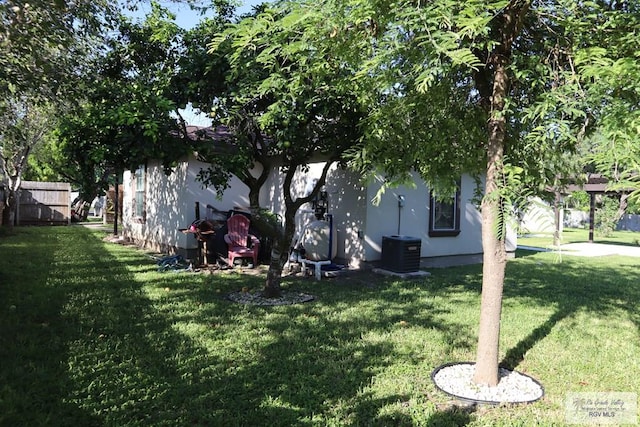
x=444, y=214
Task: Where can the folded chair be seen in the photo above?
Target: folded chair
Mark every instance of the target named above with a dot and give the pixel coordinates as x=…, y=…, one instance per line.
x=240, y=243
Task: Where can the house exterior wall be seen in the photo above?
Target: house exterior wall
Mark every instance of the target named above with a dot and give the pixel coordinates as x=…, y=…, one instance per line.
x=347, y=204
x=387, y=219
x=272, y=197
x=170, y=205
x=164, y=208
x=359, y=224
x=574, y=218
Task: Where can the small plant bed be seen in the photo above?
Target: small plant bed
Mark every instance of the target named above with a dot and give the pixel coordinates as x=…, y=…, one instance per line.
x=456, y=379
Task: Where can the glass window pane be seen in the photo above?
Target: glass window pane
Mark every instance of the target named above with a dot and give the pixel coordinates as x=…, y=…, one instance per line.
x=444, y=215
x=140, y=190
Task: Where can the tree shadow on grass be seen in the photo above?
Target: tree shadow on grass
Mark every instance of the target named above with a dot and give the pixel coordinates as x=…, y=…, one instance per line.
x=605, y=288
x=33, y=334
x=601, y=287
x=524, y=253
x=317, y=363
x=515, y=355
x=173, y=351
x=453, y=417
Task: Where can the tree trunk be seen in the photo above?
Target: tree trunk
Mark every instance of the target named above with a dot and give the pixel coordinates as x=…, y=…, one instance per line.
x=267, y=228
x=557, y=219
x=493, y=238
x=508, y=26
x=254, y=200
x=272, y=287
x=9, y=211
x=280, y=252
x=623, y=203
x=283, y=236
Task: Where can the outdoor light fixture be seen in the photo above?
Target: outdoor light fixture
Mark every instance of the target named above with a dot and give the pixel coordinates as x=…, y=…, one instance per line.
x=320, y=204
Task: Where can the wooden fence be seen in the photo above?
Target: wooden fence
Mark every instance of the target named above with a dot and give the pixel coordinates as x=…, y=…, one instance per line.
x=44, y=203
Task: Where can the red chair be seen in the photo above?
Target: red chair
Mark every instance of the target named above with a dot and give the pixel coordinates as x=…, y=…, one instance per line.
x=240, y=243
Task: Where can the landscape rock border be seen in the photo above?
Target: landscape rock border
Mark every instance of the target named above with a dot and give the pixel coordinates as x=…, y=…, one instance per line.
x=456, y=380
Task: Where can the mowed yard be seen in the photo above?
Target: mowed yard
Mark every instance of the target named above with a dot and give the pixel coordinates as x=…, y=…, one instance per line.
x=92, y=334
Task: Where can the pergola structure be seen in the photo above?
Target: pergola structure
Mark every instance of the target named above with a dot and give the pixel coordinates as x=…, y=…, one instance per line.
x=596, y=184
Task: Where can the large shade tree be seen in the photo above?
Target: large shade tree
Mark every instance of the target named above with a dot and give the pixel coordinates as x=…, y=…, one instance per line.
x=42, y=45
x=23, y=127
x=107, y=77
x=128, y=114
x=610, y=67
x=42, y=42
x=486, y=87
x=289, y=100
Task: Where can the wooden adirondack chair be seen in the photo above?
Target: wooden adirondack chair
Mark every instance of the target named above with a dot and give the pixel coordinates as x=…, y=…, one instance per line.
x=240, y=243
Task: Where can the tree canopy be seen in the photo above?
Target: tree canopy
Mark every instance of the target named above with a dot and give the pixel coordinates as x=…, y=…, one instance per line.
x=289, y=100
x=128, y=114
x=610, y=68
x=108, y=77
x=41, y=42
x=505, y=89
x=42, y=49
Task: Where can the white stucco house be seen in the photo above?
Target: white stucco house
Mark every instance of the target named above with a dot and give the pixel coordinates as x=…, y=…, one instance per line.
x=156, y=207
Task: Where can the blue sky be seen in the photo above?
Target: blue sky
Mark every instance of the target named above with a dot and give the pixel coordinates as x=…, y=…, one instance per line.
x=185, y=17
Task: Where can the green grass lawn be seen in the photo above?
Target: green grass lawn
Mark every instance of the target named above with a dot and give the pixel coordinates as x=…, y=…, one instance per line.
x=92, y=334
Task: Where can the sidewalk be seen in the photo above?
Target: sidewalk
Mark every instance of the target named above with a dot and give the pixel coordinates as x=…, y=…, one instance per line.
x=599, y=249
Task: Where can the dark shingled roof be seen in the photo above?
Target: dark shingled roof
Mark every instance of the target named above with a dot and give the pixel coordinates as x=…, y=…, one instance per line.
x=219, y=133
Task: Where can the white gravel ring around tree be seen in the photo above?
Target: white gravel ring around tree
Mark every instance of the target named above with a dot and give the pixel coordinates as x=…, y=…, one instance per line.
x=456, y=379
